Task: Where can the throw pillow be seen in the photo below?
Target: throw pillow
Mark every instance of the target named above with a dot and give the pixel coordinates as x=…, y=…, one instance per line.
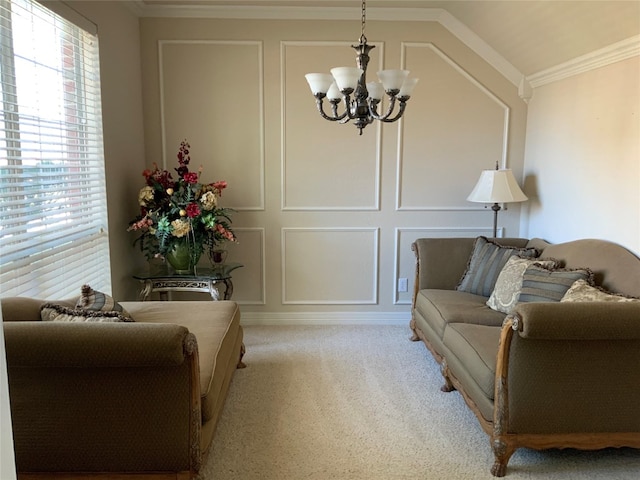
x=581, y=291
x=485, y=264
x=50, y=312
x=509, y=283
x=93, y=300
x=540, y=284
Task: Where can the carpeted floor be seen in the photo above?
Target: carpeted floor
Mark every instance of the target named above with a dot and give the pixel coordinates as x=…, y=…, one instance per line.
x=364, y=403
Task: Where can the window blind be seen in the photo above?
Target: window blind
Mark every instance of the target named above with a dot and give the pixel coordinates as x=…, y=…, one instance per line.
x=53, y=209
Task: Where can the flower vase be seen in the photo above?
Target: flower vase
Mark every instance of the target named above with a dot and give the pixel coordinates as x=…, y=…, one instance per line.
x=182, y=258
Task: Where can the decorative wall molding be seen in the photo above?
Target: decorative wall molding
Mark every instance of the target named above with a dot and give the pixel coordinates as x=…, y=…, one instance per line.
x=400, y=157
x=315, y=275
x=258, y=44
x=263, y=278
x=286, y=205
x=599, y=58
x=326, y=318
x=404, y=298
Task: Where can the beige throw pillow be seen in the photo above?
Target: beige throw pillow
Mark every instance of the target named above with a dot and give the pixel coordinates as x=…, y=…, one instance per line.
x=581, y=291
x=509, y=283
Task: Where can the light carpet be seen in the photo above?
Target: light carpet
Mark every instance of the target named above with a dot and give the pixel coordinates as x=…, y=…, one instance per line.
x=364, y=403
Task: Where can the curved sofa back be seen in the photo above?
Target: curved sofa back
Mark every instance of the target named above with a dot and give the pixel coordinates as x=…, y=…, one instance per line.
x=615, y=268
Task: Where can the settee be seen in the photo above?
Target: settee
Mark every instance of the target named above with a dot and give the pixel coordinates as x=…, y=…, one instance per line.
x=541, y=373
x=137, y=399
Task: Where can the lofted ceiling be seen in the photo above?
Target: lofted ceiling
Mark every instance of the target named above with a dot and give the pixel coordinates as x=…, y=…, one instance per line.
x=532, y=36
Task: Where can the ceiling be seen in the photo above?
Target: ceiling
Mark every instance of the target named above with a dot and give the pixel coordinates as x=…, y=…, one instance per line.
x=531, y=35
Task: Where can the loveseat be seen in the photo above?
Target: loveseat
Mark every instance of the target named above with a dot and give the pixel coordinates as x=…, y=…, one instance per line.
x=559, y=367
x=119, y=399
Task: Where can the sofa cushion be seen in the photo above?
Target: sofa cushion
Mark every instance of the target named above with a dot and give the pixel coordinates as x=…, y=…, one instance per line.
x=541, y=284
x=441, y=307
x=216, y=326
x=485, y=264
x=507, y=289
x=581, y=291
x=476, y=348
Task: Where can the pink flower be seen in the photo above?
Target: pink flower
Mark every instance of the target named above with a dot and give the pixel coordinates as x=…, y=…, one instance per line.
x=219, y=186
x=193, y=210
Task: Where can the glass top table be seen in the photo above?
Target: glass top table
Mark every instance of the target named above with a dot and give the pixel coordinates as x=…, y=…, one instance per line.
x=201, y=280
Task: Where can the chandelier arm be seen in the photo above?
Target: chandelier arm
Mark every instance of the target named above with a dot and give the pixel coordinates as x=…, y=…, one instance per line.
x=334, y=109
x=403, y=105
x=374, y=111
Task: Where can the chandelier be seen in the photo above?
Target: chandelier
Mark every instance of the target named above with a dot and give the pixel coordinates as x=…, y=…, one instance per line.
x=361, y=99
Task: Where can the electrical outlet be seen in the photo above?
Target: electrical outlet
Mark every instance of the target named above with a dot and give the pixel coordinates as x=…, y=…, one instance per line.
x=403, y=284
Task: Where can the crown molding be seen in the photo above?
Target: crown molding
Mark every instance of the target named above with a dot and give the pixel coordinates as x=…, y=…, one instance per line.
x=443, y=17
x=599, y=58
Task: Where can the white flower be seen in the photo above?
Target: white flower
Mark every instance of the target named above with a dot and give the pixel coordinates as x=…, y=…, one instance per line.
x=145, y=195
x=209, y=201
x=180, y=228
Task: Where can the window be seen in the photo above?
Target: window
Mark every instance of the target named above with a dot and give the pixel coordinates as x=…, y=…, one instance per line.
x=53, y=209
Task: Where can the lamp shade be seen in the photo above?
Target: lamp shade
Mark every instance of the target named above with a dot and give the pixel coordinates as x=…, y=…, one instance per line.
x=497, y=186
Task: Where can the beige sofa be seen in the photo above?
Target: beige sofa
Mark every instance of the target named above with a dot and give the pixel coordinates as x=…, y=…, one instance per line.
x=137, y=399
x=551, y=374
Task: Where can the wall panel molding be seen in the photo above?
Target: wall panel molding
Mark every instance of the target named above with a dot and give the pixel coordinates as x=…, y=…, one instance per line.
x=330, y=134
x=330, y=266
x=404, y=258
x=206, y=105
x=249, y=269
x=401, y=156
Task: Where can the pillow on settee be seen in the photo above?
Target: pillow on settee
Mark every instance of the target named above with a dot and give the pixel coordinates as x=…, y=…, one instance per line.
x=509, y=283
x=581, y=291
x=93, y=300
x=485, y=264
x=540, y=284
x=50, y=312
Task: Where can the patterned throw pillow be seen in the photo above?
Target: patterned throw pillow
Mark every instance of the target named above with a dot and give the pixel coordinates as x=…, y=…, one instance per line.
x=50, y=312
x=486, y=262
x=581, y=291
x=93, y=300
x=540, y=284
x=509, y=283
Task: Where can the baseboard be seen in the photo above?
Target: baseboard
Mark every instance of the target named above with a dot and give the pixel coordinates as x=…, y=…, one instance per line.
x=326, y=318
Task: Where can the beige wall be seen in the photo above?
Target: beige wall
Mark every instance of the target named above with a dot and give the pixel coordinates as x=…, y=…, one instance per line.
x=583, y=157
x=326, y=217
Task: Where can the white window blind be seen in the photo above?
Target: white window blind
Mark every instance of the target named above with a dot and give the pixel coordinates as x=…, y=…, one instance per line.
x=53, y=209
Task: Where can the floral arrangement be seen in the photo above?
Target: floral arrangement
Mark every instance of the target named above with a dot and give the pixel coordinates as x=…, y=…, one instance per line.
x=173, y=212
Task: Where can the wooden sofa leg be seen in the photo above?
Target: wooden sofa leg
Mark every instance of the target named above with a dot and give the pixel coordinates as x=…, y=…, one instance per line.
x=241, y=364
x=448, y=386
x=502, y=452
x=414, y=334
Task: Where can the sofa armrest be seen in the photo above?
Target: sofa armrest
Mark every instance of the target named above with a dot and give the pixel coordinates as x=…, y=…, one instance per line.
x=96, y=397
x=93, y=344
x=578, y=321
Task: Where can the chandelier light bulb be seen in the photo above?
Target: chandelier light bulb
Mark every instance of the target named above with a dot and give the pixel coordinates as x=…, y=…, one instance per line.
x=334, y=93
x=347, y=78
x=392, y=79
x=319, y=82
x=375, y=90
x=407, y=87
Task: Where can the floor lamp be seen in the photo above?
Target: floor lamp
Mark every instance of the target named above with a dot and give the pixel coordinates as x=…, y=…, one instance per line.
x=496, y=186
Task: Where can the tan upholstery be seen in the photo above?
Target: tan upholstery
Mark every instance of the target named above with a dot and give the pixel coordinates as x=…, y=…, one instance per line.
x=119, y=397
x=552, y=374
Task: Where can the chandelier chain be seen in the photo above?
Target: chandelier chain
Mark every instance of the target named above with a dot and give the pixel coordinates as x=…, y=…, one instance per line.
x=363, y=19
